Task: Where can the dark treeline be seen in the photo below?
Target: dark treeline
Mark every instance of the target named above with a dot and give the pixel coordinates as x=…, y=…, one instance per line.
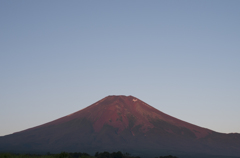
x=104, y=154
x=118, y=154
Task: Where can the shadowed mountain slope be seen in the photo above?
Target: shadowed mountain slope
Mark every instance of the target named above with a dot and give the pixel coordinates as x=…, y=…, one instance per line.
x=122, y=123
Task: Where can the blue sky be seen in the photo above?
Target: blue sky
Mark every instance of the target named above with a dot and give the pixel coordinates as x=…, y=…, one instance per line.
x=181, y=57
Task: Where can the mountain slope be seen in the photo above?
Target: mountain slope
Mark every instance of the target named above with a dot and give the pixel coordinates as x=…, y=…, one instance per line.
x=122, y=123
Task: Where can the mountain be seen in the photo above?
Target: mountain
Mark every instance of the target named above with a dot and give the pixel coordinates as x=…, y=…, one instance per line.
x=123, y=123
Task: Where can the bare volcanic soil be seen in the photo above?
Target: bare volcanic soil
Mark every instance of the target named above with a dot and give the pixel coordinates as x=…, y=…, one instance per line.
x=122, y=123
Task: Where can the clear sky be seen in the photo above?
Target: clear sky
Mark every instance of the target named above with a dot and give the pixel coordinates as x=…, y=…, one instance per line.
x=181, y=57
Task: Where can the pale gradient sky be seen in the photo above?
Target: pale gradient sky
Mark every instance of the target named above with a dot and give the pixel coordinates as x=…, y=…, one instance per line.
x=181, y=57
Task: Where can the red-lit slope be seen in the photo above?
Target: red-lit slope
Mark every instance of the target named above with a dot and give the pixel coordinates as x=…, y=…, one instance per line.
x=116, y=111
x=122, y=123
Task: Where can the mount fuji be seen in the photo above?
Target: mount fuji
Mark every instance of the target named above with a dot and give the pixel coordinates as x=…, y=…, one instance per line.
x=123, y=123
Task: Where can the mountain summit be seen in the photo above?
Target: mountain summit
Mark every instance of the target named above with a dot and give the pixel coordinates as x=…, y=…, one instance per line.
x=123, y=123
x=122, y=112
